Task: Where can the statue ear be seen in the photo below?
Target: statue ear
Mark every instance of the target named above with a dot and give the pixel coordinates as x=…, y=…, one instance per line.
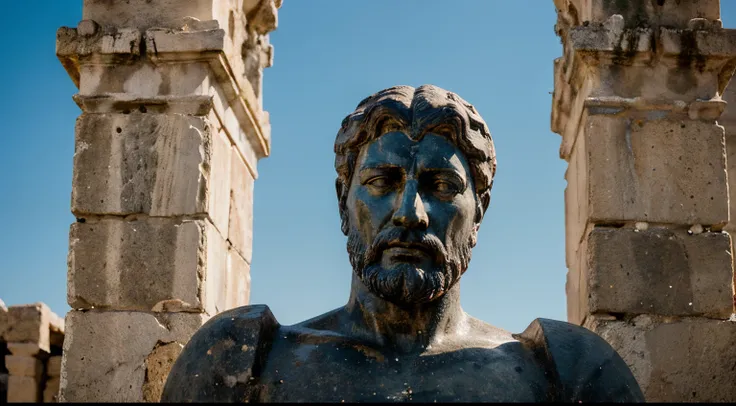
x=480, y=208
x=341, y=200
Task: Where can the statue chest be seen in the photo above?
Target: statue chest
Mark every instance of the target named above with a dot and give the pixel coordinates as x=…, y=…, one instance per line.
x=335, y=372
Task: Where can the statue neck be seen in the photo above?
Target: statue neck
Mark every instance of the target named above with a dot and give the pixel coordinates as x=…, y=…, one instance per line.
x=405, y=328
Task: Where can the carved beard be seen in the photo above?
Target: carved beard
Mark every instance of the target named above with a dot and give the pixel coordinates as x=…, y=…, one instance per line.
x=407, y=283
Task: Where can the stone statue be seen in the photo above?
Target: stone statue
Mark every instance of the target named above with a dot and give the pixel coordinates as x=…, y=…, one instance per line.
x=414, y=175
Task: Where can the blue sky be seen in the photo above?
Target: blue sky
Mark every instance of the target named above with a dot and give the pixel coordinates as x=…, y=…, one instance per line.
x=328, y=56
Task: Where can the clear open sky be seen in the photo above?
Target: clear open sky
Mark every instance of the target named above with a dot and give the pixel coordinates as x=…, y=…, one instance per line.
x=328, y=56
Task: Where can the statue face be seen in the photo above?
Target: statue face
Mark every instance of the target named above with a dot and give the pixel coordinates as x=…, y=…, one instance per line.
x=412, y=211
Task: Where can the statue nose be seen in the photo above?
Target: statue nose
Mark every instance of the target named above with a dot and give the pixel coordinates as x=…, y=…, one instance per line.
x=411, y=212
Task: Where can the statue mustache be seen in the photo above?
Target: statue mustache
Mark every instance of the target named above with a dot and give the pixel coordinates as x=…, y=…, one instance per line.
x=425, y=241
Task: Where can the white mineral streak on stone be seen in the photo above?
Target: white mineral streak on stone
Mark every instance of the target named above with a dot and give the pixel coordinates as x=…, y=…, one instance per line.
x=641, y=225
x=81, y=147
x=172, y=305
x=696, y=229
x=615, y=27
x=179, y=152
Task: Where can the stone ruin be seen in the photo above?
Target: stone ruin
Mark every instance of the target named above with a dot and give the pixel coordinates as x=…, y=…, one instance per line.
x=638, y=102
x=172, y=128
x=166, y=150
x=31, y=342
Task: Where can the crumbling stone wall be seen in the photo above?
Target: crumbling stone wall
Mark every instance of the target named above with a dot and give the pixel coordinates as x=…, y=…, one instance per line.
x=31, y=340
x=637, y=101
x=166, y=150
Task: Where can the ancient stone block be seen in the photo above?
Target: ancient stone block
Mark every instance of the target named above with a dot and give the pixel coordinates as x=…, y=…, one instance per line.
x=56, y=330
x=248, y=137
x=667, y=13
x=156, y=164
x=27, y=349
x=51, y=391
x=240, y=231
x=19, y=365
x=576, y=200
x=657, y=271
x=216, y=275
x=219, y=196
x=29, y=324
x=106, y=353
x=654, y=171
x=53, y=366
x=148, y=264
x=23, y=389
x=146, y=13
x=238, y=280
x=675, y=360
x=3, y=320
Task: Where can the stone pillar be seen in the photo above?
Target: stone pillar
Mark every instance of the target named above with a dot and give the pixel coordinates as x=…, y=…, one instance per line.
x=171, y=130
x=728, y=121
x=637, y=98
x=34, y=334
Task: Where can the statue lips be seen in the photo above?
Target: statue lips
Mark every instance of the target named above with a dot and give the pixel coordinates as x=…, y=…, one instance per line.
x=404, y=251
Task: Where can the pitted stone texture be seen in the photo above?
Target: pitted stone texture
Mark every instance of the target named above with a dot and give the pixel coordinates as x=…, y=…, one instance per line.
x=156, y=164
x=655, y=171
x=150, y=264
x=240, y=231
x=23, y=389
x=238, y=280
x=656, y=271
x=105, y=352
x=20, y=365
x=676, y=360
x=158, y=365
x=29, y=324
x=669, y=13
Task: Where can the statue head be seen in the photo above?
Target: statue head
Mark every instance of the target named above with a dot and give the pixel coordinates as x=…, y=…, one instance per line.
x=414, y=174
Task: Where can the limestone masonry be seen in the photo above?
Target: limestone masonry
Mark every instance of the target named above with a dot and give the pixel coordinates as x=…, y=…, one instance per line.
x=638, y=102
x=31, y=340
x=166, y=153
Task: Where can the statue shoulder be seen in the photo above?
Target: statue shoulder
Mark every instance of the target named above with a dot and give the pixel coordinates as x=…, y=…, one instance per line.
x=583, y=365
x=220, y=359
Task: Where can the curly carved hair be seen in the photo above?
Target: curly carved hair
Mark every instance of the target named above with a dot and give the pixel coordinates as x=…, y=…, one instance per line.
x=415, y=112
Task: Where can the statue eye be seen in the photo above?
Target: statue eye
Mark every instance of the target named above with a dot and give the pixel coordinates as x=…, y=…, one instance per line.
x=380, y=182
x=445, y=187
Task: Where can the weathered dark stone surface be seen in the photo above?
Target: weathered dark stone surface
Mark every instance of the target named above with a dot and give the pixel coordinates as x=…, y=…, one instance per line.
x=415, y=168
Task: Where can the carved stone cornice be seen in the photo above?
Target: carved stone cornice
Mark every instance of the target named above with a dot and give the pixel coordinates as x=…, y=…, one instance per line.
x=91, y=44
x=608, y=68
